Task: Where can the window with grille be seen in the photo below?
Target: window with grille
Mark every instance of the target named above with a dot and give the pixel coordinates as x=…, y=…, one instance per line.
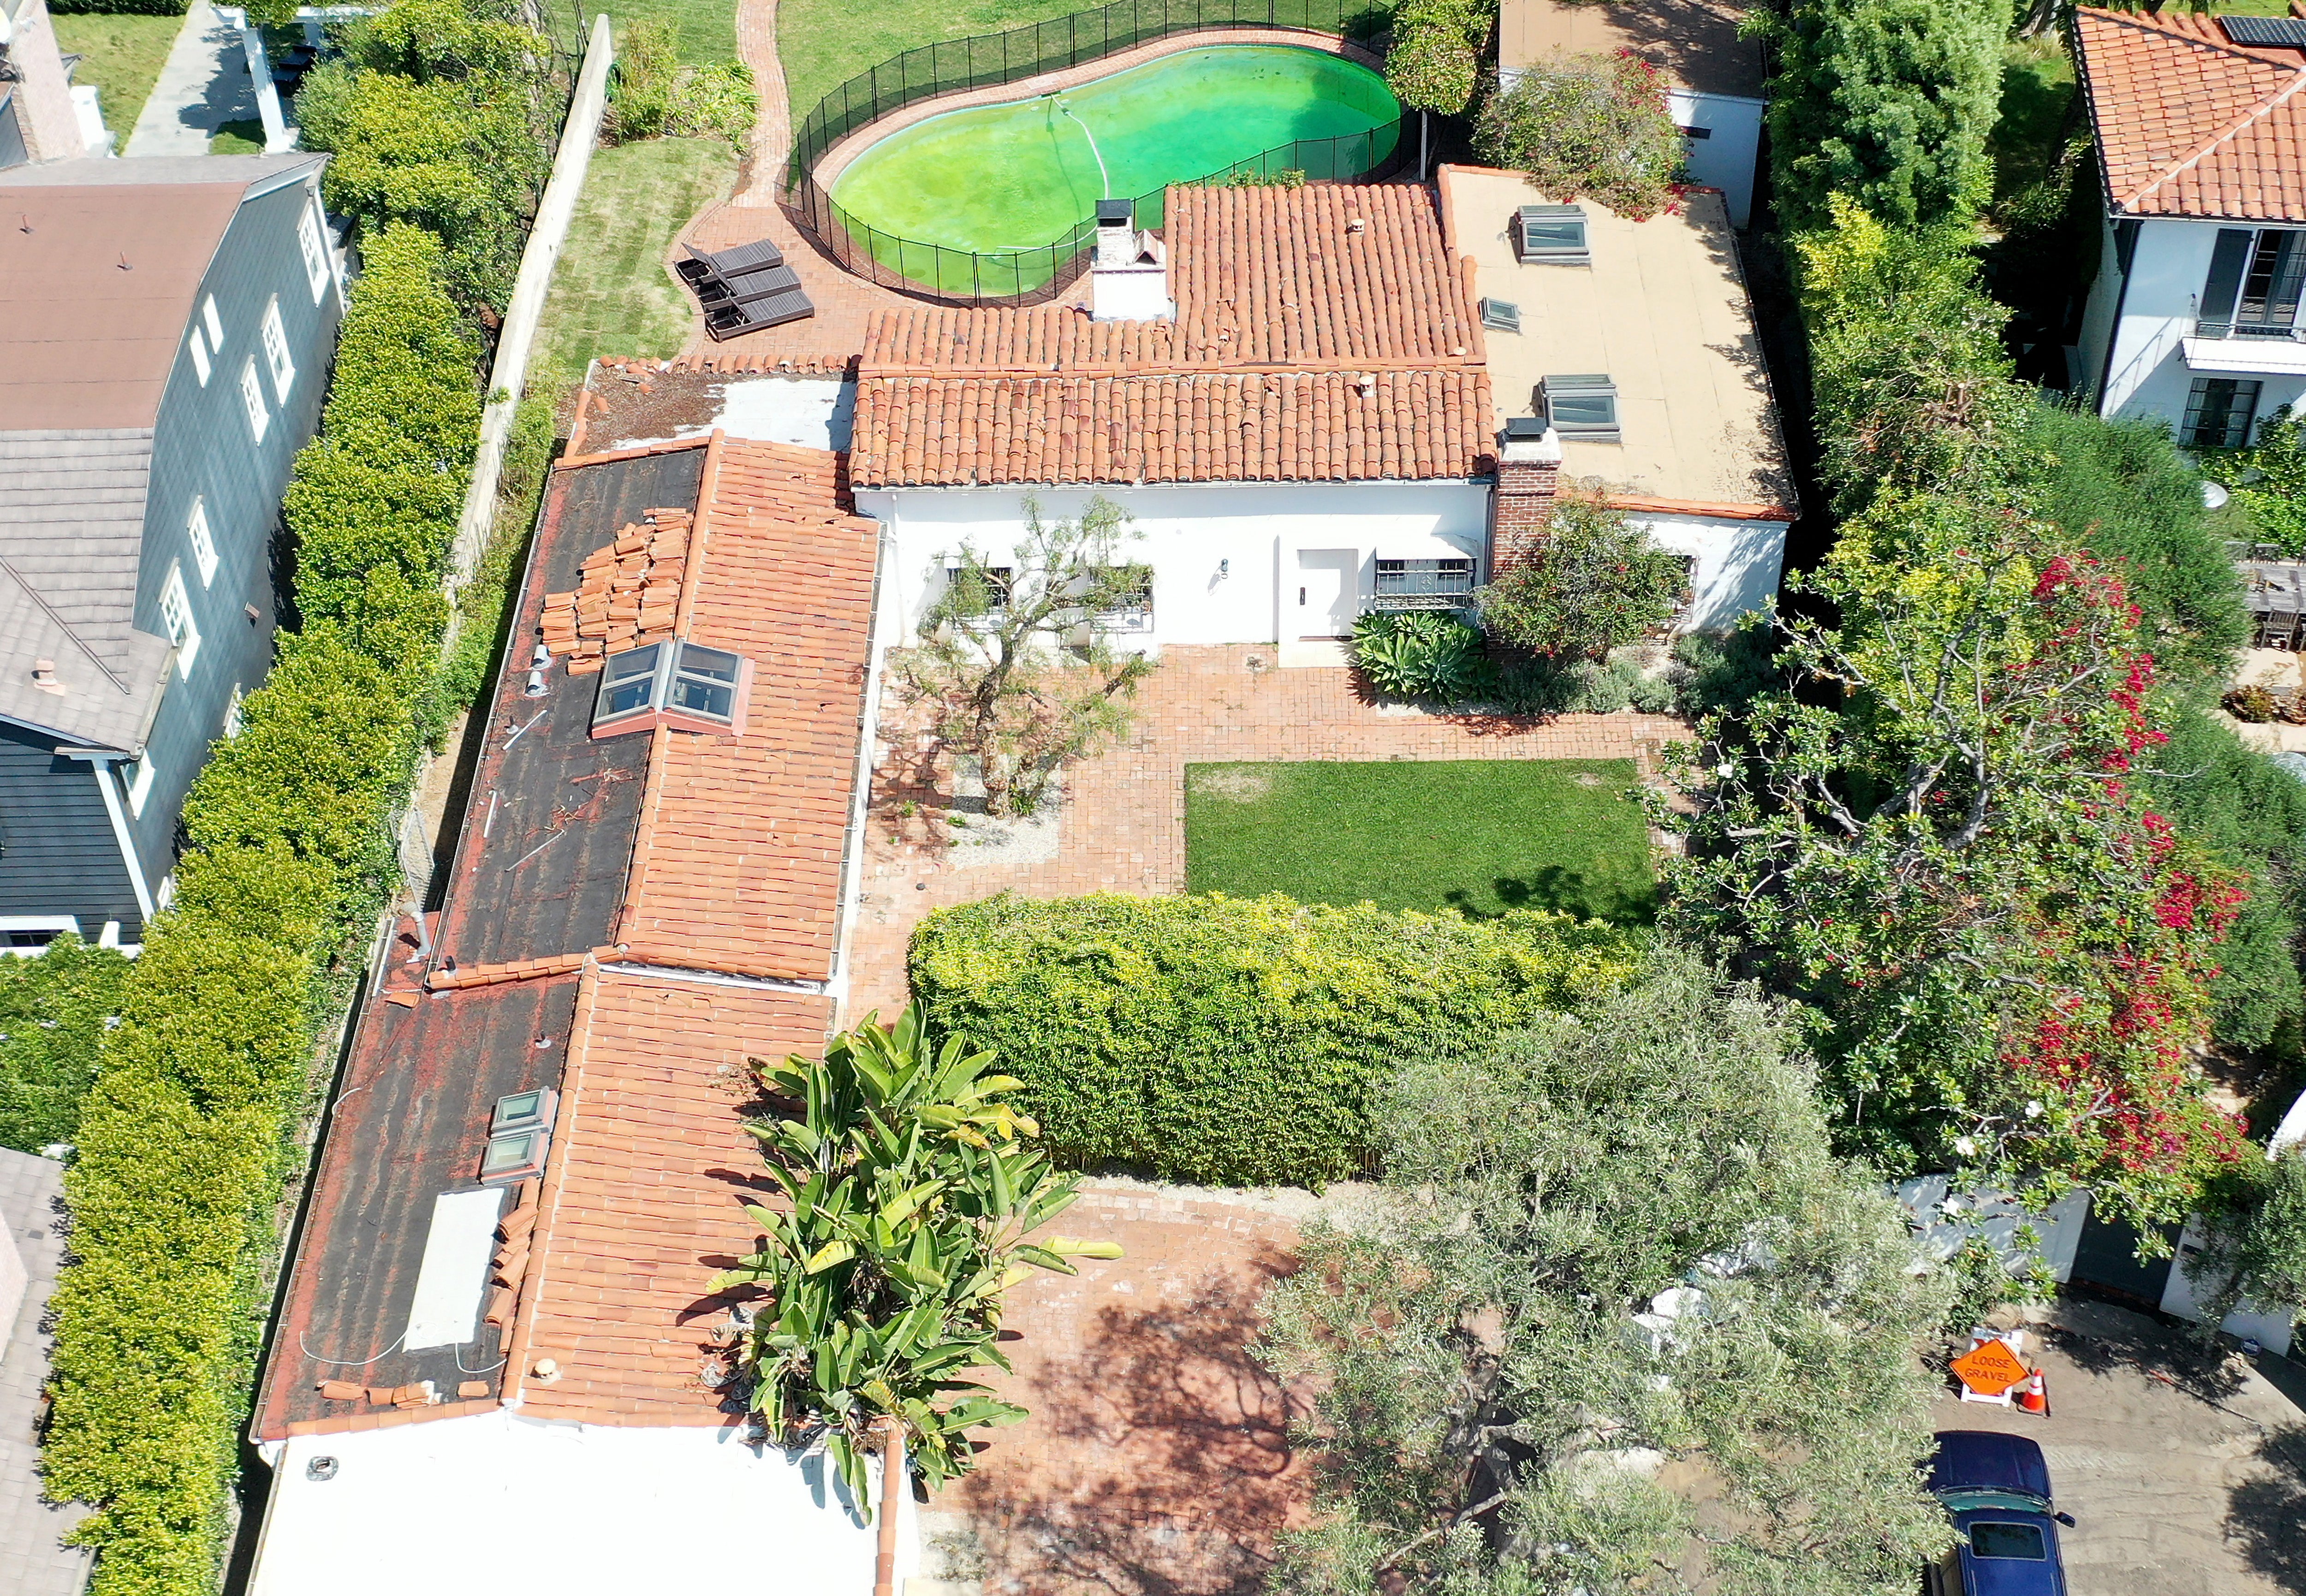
x=1423, y=578
x=2219, y=410
x=2257, y=278
x=204, y=549
x=251, y=395
x=315, y=248
x=275, y=351
x=176, y=617
x=1127, y=595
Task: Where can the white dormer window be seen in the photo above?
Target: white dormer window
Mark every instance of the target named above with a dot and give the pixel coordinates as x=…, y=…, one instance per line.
x=199, y=350
x=213, y=322
x=251, y=394
x=275, y=351
x=204, y=549
x=176, y=617
x=315, y=248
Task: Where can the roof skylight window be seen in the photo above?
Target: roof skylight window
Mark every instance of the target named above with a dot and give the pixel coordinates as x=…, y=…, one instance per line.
x=682, y=685
x=1553, y=235
x=1500, y=315
x=1582, y=408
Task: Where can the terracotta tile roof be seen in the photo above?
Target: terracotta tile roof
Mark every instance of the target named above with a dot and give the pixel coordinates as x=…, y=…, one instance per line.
x=2191, y=124
x=643, y=1198
x=738, y=864
x=1324, y=333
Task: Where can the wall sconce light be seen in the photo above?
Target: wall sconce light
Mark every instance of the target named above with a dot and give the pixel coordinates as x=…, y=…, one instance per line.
x=1225, y=569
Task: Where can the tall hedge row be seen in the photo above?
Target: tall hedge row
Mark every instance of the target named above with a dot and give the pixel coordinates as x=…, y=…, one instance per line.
x=187, y=1138
x=1235, y=1041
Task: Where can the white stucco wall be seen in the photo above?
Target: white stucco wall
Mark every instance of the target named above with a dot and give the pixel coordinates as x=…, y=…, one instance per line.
x=1729, y=157
x=2098, y=314
x=2149, y=376
x=1229, y=559
x=2271, y=1330
x=1225, y=556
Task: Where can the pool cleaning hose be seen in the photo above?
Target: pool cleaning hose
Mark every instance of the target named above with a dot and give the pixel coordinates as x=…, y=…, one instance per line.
x=1103, y=178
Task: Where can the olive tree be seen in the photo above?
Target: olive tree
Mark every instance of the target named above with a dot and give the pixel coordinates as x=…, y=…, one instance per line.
x=1617, y=1321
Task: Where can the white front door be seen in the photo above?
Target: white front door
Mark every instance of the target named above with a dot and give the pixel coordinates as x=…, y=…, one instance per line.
x=1328, y=592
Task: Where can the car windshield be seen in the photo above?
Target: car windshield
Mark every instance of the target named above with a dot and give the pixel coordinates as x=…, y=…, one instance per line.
x=1970, y=1501
x=1993, y=1540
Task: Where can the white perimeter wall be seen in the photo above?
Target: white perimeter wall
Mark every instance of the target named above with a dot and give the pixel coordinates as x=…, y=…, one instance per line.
x=2149, y=376
x=1730, y=154
x=1225, y=556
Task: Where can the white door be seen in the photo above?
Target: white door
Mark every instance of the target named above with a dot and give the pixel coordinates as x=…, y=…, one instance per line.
x=1328, y=592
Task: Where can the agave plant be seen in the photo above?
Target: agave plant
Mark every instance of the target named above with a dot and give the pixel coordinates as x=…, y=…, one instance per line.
x=1421, y=654
x=910, y=1191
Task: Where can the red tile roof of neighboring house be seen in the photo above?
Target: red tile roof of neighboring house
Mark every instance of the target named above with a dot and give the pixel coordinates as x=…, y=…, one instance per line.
x=644, y=1198
x=1323, y=333
x=738, y=864
x=2191, y=124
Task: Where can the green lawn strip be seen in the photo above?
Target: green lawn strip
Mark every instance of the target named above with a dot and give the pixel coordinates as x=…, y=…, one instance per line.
x=1481, y=836
x=610, y=293
x=704, y=30
x=2038, y=88
x=121, y=58
x=237, y=138
x=824, y=42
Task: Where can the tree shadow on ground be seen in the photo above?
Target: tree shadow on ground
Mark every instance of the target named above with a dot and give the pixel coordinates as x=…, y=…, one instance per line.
x=2175, y=1357
x=2266, y=1514
x=1565, y=890
x=1171, y=1468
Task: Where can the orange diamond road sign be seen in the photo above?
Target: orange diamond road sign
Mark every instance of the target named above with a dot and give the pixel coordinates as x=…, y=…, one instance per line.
x=1990, y=1370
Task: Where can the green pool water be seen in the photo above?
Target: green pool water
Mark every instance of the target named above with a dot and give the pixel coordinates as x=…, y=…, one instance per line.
x=1012, y=180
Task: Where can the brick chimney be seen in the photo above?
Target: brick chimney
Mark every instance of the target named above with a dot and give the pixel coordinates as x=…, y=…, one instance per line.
x=1529, y=475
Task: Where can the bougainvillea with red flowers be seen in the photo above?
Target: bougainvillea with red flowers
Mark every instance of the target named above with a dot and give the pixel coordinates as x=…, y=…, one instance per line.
x=1936, y=840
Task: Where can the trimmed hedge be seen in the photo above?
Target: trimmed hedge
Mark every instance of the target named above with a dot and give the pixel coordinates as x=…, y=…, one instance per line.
x=188, y=1137
x=1235, y=1041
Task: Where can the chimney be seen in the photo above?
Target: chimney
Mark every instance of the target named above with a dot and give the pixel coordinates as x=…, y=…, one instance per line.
x=1529, y=475
x=44, y=676
x=1129, y=280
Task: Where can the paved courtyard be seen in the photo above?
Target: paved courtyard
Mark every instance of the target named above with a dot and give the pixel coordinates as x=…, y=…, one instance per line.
x=1122, y=828
x=2186, y=1472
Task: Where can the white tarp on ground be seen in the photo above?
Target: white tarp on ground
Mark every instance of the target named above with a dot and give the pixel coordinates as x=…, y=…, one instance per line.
x=454, y=1274
x=496, y=1502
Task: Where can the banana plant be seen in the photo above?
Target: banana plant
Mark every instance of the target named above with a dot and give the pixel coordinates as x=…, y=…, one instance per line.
x=909, y=1192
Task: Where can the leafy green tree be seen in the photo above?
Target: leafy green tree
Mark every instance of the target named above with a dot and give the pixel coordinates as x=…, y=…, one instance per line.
x=1956, y=864
x=1598, y=582
x=2122, y=489
x=910, y=1195
x=1594, y=126
x=54, y=1012
x=2269, y=480
x=1886, y=102
x=1001, y=667
x=1434, y=61
x=1617, y=1321
x=2255, y=1248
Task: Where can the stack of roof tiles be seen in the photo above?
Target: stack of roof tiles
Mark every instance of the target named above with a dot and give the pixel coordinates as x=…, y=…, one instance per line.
x=1322, y=334
x=2190, y=123
x=630, y=594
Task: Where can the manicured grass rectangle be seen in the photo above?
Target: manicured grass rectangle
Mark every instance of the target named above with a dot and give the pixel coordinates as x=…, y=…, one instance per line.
x=1479, y=835
x=121, y=57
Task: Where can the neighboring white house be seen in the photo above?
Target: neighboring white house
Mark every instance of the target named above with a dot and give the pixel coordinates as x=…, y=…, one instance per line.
x=2194, y=317
x=1313, y=431
x=1716, y=80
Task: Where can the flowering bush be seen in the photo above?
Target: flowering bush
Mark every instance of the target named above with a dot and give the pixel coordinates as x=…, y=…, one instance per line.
x=1589, y=127
x=1954, y=864
x=1599, y=582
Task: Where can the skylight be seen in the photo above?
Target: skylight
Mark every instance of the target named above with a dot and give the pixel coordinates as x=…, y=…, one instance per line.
x=682, y=685
x=1553, y=235
x=1583, y=406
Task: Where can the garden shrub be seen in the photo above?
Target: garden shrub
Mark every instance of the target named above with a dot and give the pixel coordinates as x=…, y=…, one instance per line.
x=655, y=97
x=1235, y=1041
x=54, y=1012
x=1434, y=62
x=1596, y=581
x=1421, y=654
x=187, y=1136
x=2268, y=479
x=1588, y=127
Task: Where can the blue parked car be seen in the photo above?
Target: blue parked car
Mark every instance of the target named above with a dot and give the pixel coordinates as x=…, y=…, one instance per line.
x=1997, y=1489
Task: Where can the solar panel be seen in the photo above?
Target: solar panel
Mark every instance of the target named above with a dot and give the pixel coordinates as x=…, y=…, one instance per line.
x=2281, y=32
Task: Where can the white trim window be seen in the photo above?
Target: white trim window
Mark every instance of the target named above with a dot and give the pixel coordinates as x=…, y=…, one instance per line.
x=136, y=781
x=275, y=351
x=251, y=394
x=204, y=541
x=213, y=322
x=233, y=718
x=27, y=936
x=310, y=240
x=199, y=350
x=177, y=615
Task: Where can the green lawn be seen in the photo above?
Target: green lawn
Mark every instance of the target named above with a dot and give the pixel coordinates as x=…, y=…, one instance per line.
x=610, y=293
x=2038, y=89
x=121, y=57
x=823, y=42
x=238, y=138
x=1481, y=835
x=705, y=31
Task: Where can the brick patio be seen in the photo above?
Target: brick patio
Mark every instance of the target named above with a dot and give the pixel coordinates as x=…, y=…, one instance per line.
x=1123, y=828
x=1157, y=1461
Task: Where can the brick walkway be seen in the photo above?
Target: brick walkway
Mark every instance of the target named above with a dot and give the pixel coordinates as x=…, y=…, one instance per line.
x=1156, y=1460
x=1124, y=824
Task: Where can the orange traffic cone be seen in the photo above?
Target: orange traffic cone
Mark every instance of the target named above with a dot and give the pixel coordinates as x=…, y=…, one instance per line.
x=2034, y=1396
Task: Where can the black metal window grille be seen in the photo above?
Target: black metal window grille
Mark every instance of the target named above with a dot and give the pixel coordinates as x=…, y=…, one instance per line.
x=950, y=66
x=2256, y=281
x=2219, y=410
x=1422, y=578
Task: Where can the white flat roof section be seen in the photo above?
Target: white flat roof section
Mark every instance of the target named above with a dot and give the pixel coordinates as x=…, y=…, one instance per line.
x=496, y=1502
x=454, y=1275
x=1662, y=311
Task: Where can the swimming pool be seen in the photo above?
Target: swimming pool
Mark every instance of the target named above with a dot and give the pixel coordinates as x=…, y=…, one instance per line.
x=1012, y=188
